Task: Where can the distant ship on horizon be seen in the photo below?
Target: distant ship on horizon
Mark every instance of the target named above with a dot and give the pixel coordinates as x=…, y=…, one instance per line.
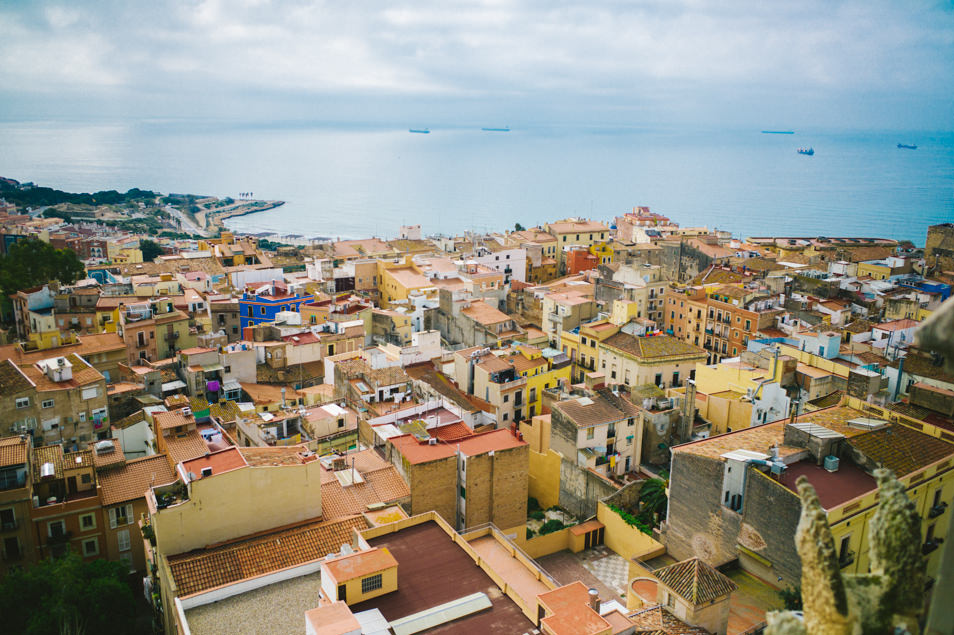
x=807, y=151
x=420, y=130
x=504, y=129
x=778, y=132
x=905, y=146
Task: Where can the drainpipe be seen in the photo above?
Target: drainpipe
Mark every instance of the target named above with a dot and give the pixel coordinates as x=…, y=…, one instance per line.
x=897, y=384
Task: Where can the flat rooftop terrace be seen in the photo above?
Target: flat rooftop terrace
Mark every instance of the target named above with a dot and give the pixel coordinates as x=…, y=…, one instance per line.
x=433, y=570
x=277, y=608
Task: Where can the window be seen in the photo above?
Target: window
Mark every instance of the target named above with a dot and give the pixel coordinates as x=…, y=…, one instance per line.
x=748, y=325
x=23, y=402
x=47, y=403
x=590, y=433
x=670, y=600
x=658, y=379
x=119, y=516
x=87, y=521
x=937, y=498
x=90, y=393
x=56, y=528
x=7, y=519
x=90, y=547
x=506, y=416
x=86, y=479
x=122, y=539
x=371, y=583
x=506, y=398
x=126, y=558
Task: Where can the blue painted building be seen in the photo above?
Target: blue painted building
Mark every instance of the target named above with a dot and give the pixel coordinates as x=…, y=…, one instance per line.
x=262, y=301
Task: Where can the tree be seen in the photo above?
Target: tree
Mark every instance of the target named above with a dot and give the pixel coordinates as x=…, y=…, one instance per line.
x=32, y=262
x=652, y=497
x=150, y=249
x=68, y=595
x=517, y=227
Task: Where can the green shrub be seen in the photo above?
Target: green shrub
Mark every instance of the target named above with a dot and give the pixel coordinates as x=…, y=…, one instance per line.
x=537, y=515
x=640, y=521
x=550, y=526
x=532, y=504
x=529, y=533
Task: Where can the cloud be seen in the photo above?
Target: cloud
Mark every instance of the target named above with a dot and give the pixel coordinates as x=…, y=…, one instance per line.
x=623, y=52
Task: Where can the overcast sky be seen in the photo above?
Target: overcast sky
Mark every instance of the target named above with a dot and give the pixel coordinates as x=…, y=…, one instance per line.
x=864, y=63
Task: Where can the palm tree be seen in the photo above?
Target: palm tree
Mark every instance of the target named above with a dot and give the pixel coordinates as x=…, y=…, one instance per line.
x=652, y=497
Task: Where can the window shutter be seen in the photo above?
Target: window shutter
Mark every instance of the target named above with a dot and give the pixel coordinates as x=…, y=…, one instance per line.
x=129, y=514
x=112, y=518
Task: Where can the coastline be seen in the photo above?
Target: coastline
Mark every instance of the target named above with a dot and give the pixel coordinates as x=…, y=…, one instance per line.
x=216, y=219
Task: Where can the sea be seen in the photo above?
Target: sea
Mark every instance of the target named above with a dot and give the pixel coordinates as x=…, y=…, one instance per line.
x=352, y=180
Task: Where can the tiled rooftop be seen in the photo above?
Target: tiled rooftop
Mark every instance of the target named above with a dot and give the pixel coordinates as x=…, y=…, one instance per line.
x=695, y=581
x=570, y=611
x=657, y=346
x=360, y=564
x=13, y=451
x=601, y=408
x=132, y=480
x=902, y=449
x=257, y=555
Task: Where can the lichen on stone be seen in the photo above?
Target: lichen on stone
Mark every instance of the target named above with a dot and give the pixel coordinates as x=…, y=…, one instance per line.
x=885, y=600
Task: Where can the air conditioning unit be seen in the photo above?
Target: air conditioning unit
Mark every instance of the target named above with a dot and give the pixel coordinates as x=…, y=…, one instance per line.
x=831, y=463
x=432, y=441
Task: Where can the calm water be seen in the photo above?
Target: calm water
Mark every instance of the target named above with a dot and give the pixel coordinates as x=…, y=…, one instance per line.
x=354, y=181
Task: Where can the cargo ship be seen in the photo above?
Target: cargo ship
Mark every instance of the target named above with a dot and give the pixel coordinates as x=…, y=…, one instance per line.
x=809, y=151
x=905, y=146
x=504, y=129
x=778, y=132
x=420, y=130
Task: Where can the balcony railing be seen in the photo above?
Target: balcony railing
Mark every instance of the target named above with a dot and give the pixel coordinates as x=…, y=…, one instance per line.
x=937, y=510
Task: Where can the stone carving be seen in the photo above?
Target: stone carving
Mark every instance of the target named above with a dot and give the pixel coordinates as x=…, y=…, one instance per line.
x=887, y=600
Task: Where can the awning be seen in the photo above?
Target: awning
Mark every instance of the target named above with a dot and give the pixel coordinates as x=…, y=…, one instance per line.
x=211, y=368
x=173, y=385
x=230, y=385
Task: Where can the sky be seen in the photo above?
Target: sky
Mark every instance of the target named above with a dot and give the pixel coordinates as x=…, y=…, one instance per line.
x=824, y=63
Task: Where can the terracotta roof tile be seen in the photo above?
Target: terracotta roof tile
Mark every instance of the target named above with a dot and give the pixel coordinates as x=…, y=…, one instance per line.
x=257, y=555
x=131, y=481
x=13, y=451
x=602, y=407
x=901, y=449
x=109, y=459
x=185, y=447
x=652, y=347
x=416, y=452
x=12, y=380
x=695, y=581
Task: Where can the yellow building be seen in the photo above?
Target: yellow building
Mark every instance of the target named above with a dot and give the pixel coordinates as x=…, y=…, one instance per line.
x=397, y=281
x=736, y=395
x=360, y=576
x=123, y=252
x=603, y=252
x=581, y=345
x=540, y=371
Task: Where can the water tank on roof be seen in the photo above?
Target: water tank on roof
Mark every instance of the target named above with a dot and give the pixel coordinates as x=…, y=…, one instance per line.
x=831, y=463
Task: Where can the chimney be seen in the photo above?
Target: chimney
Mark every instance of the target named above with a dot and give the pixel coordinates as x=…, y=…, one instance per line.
x=594, y=600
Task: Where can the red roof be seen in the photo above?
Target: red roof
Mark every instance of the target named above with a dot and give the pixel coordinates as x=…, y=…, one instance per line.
x=221, y=461
x=417, y=452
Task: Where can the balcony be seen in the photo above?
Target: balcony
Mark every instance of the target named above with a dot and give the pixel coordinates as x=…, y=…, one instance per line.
x=611, y=433
x=846, y=558
x=174, y=335
x=60, y=538
x=937, y=510
x=931, y=545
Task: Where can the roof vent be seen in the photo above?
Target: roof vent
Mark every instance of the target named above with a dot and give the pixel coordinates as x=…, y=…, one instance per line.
x=47, y=470
x=432, y=441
